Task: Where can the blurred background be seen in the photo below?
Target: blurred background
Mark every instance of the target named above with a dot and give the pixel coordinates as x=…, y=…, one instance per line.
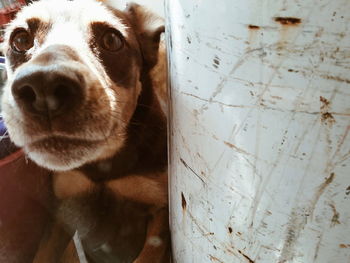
x=156, y=6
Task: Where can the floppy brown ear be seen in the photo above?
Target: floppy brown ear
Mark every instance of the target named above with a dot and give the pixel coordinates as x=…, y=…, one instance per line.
x=148, y=28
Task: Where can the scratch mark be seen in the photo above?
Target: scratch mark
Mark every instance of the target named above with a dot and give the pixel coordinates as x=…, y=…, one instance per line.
x=183, y=201
x=325, y=103
x=336, y=78
x=214, y=101
x=270, y=248
x=263, y=107
x=201, y=228
x=325, y=76
x=295, y=225
x=212, y=258
x=262, y=186
x=210, y=235
x=318, y=247
x=277, y=97
x=335, y=218
x=222, y=83
x=189, y=168
x=342, y=159
x=244, y=255
x=326, y=183
x=216, y=61
x=320, y=191
x=347, y=192
x=336, y=153
x=236, y=148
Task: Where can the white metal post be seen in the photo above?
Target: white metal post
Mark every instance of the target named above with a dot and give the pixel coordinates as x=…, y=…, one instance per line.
x=260, y=130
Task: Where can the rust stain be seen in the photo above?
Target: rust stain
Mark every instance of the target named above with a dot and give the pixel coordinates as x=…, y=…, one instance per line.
x=327, y=118
x=328, y=181
x=248, y=258
x=335, y=218
x=344, y=245
x=212, y=258
x=253, y=37
x=230, y=229
x=230, y=145
x=336, y=78
x=236, y=148
x=288, y=32
x=254, y=27
x=325, y=102
x=183, y=201
x=289, y=21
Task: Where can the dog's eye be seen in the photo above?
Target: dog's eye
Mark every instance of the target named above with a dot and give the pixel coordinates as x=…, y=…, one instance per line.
x=21, y=41
x=111, y=41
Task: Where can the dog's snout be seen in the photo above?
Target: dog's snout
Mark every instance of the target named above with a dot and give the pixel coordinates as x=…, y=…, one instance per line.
x=47, y=91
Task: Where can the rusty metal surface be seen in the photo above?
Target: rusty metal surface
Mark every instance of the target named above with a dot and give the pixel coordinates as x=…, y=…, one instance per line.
x=260, y=123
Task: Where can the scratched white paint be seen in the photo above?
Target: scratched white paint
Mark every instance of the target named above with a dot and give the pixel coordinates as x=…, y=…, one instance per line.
x=260, y=130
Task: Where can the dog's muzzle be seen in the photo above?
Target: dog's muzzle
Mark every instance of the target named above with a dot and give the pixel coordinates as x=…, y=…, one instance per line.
x=50, y=84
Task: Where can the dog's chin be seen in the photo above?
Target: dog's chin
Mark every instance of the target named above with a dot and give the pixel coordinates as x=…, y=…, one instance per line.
x=63, y=154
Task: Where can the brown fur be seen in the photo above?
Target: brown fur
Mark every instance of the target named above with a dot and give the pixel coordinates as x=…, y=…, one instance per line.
x=109, y=148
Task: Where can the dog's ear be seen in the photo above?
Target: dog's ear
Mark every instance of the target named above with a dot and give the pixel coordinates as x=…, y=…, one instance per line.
x=148, y=28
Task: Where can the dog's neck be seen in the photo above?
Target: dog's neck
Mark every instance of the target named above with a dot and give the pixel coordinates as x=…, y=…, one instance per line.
x=145, y=150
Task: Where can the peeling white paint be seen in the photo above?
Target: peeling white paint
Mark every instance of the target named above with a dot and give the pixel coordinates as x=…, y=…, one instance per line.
x=260, y=130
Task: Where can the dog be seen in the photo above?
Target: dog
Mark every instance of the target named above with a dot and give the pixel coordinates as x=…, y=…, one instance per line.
x=85, y=99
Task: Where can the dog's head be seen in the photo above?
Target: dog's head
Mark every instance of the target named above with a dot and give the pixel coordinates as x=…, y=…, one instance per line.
x=74, y=70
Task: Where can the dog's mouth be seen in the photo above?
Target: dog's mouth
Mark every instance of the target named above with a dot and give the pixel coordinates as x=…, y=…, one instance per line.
x=60, y=143
x=62, y=153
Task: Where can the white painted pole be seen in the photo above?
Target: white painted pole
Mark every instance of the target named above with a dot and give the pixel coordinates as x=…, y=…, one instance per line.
x=260, y=130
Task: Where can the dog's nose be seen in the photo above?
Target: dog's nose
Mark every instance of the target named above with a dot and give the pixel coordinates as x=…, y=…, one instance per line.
x=47, y=90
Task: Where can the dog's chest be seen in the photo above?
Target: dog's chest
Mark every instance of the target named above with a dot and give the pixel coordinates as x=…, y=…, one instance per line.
x=87, y=180
x=109, y=225
x=71, y=184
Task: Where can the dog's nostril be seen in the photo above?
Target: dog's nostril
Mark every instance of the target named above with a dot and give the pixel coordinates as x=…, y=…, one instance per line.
x=62, y=92
x=26, y=93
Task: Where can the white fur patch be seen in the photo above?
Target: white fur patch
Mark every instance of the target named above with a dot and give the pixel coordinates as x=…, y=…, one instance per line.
x=154, y=241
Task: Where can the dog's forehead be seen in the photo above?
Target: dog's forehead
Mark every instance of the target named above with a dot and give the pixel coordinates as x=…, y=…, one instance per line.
x=78, y=13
